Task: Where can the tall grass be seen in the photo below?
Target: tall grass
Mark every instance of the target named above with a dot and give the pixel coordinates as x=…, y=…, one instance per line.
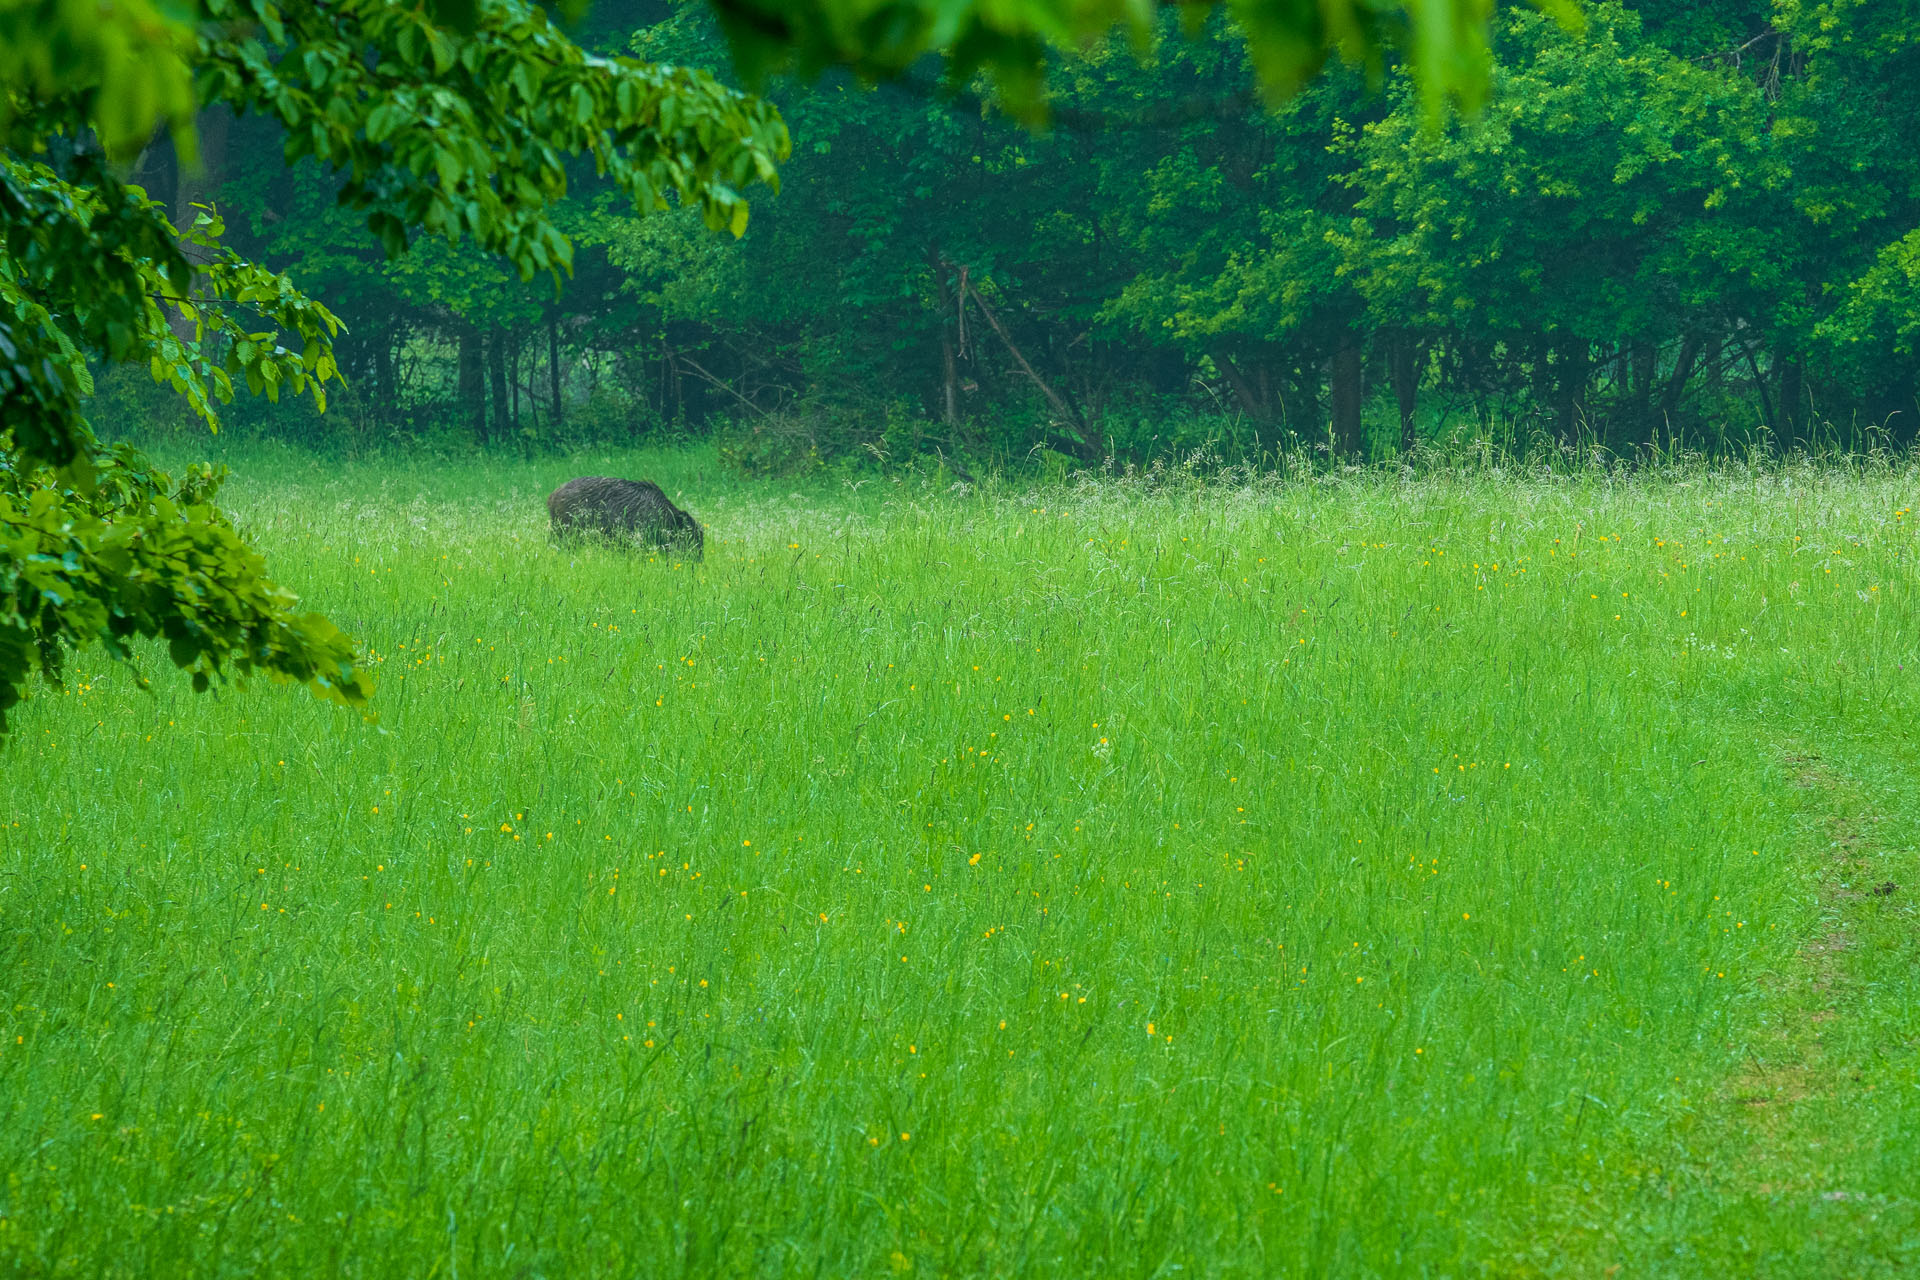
x=1249, y=878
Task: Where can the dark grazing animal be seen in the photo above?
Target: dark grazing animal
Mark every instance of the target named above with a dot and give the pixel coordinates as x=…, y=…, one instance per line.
x=623, y=511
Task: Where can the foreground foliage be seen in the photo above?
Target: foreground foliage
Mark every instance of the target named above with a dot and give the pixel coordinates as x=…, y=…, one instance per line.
x=461, y=133
x=1364, y=876
x=137, y=555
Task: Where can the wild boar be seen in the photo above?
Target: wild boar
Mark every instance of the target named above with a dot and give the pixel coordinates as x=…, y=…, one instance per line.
x=627, y=511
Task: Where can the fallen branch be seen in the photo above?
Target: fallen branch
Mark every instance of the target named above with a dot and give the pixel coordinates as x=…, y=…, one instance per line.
x=724, y=386
x=1054, y=398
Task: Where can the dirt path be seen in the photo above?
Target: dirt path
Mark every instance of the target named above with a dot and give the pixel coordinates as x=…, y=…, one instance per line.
x=1794, y=1077
x=1806, y=1161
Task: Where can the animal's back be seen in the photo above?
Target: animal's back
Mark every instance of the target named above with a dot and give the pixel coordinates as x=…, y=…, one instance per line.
x=614, y=507
x=599, y=494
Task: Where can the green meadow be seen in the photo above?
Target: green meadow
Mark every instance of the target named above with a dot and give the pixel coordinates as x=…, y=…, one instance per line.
x=1467, y=873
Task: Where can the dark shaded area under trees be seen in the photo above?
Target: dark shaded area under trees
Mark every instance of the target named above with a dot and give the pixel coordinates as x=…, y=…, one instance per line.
x=1690, y=222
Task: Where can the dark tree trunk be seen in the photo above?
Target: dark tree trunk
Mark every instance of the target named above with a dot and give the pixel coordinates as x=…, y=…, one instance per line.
x=1640, y=359
x=157, y=171
x=553, y=369
x=1305, y=375
x=666, y=381
x=949, y=356
x=1767, y=414
x=1793, y=399
x=199, y=186
x=949, y=380
x=386, y=395
x=1347, y=393
x=513, y=377
x=1573, y=367
x=473, y=383
x=1676, y=387
x=497, y=376
x=1251, y=402
x=1403, y=369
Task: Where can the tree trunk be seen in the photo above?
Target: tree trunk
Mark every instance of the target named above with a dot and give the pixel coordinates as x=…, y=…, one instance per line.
x=513, y=376
x=200, y=185
x=1307, y=389
x=1677, y=380
x=949, y=380
x=666, y=381
x=949, y=357
x=1573, y=367
x=661, y=415
x=1403, y=369
x=497, y=376
x=553, y=369
x=1347, y=391
x=386, y=395
x=1793, y=398
x=1640, y=392
x=1767, y=415
x=157, y=171
x=1251, y=402
x=473, y=384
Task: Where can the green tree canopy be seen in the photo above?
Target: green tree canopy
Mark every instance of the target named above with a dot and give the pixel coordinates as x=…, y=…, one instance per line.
x=1679, y=223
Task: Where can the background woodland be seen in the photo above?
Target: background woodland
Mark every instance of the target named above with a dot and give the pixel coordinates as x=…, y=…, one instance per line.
x=1691, y=222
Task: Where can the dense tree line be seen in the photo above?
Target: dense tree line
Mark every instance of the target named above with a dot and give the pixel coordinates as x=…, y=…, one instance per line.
x=1689, y=220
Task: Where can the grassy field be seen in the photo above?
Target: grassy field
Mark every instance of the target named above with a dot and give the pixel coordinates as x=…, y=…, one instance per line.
x=1465, y=875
